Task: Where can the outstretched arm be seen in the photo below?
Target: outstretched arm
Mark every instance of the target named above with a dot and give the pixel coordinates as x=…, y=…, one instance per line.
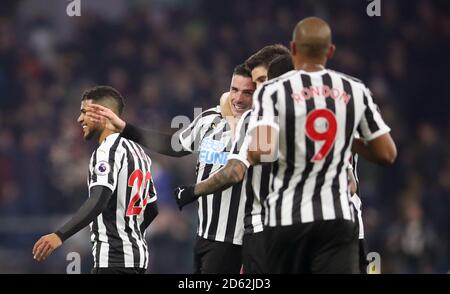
x=92, y=207
x=232, y=173
x=154, y=140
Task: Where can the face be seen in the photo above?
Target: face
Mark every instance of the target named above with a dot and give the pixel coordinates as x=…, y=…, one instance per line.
x=241, y=90
x=90, y=129
x=259, y=75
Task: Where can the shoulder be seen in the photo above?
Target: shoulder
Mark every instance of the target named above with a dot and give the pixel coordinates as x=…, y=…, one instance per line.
x=355, y=82
x=275, y=84
x=211, y=112
x=112, y=144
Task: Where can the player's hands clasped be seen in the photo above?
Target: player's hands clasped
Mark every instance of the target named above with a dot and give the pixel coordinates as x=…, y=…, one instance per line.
x=184, y=195
x=100, y=114
x=45, y=246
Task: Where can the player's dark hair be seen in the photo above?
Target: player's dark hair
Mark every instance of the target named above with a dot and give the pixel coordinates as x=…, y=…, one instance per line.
x=264, y=56
x=279, y=66
x=98, y=93
x=242, y=70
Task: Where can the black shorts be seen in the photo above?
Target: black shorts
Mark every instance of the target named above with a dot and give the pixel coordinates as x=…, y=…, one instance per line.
x=214, y=257
x=254, y=254
x=118, y=270
x=321, y=247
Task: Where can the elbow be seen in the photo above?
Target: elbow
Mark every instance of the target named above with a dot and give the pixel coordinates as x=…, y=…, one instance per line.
x=236, y=176
x=389, y=157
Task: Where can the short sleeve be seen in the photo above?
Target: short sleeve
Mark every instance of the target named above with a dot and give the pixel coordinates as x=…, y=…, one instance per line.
x=190, y=138
x=265, y=108
x=106, y=163
x=240, y=145
x=372, y=124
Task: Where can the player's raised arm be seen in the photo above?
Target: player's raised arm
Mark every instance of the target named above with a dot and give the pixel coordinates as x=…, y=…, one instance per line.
x=154, y=140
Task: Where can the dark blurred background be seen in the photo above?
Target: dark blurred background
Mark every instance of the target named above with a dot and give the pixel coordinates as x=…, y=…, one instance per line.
x=168, y=57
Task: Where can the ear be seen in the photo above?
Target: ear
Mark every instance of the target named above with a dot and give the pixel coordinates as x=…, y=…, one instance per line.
x=331, y=51
x=293, y=48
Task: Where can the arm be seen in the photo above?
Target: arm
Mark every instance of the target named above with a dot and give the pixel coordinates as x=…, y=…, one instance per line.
x=380, y=150
x=150, y=213
x=232, y=173
x=351, y=181
x=92, y=207
x=154, y=140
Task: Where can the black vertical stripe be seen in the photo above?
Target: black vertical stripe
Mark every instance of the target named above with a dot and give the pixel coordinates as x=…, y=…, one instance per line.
x=373, y=126
x=260, y=96
x=233, y=212
x=206, y=172
x=349, y=126
x=275, y=101
x=94, y=163
x=275, y=166
x=310, y=151
x=111, y=160
x=264, y=186
x=317, y=210
x=249, y=198
x=290, y=147
x=132, y=166
x=215, y=212
x=242, y=133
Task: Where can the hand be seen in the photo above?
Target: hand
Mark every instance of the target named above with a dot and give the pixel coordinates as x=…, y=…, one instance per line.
x=45, y=246
x=100, y=114
x=225, y=105
x=184, y=195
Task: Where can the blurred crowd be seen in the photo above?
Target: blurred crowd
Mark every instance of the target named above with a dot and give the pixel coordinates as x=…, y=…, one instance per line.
x=167, y=57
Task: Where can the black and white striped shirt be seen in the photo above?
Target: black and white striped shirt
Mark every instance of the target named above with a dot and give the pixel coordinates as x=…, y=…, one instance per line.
x=316, y=115
x=256, y=180
x=220, y=215
x=122, y=166
x=355, y=198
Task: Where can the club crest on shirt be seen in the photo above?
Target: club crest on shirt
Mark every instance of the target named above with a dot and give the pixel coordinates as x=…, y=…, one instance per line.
x=102, y=168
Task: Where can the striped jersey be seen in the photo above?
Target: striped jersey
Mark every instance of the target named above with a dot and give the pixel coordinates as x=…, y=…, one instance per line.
x=355, y=198
x=316, y=115
x=124, y=167
x=220, y=215
x=256, y=181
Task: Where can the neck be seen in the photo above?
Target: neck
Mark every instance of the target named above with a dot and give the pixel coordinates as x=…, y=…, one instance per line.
x=310, y=65
x=103, y=135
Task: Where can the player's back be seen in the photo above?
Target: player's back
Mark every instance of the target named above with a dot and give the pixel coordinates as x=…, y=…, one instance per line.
x=318, y=114
x=124, y=167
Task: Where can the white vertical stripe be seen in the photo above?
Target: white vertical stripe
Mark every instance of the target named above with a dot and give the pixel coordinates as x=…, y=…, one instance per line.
x=239, y=230
x=104, y=246
x=209, y=205
x=223, y=214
